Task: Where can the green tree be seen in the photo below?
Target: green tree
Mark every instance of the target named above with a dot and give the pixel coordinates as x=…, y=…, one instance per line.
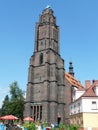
x=16, y=92
x=15, y=104
x=16, y=100
x=5, y=106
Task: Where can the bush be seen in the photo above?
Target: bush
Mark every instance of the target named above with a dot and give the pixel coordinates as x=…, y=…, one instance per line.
x=71, y=127
x=68, y=127
x=62, y=127
x=30, y=126
x=74, y=127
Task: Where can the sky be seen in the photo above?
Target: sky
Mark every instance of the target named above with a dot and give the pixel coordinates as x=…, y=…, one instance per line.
x=78, y=21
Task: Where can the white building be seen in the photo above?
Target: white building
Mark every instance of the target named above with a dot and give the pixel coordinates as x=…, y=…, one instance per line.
x=84, y=108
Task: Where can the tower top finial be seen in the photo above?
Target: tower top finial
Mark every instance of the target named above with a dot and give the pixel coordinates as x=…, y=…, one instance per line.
x=48, y=7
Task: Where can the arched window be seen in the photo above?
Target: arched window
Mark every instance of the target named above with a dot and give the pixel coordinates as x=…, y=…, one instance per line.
x=41, y=58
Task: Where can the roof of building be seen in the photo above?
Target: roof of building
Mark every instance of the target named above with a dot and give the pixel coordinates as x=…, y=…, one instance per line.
x=89, y=92
x=73, y=81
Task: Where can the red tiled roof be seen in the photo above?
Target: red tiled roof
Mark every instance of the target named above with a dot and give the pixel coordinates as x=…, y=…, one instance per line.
x=89, y=92
x=73, y=81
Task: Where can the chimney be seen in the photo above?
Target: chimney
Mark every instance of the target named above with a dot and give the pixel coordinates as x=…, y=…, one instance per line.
x=94, y=81
x=87, y=83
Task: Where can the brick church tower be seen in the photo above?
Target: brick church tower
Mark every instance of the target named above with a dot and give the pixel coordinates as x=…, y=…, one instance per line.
x=45, y=95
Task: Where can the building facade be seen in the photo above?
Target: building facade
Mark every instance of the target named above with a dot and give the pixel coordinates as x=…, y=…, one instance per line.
x=70, y=88
x=45, y=95
x=84, y=109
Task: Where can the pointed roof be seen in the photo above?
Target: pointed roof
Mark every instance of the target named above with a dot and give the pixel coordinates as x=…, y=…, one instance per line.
x=89, y=92
x=73, y=81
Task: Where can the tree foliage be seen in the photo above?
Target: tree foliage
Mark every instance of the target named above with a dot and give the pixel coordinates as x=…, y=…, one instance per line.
x=16, y=92
x=15, y=104
x=5, y=105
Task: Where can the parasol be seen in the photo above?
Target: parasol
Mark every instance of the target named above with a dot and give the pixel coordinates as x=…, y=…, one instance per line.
x=8, y=117
x=28, y=119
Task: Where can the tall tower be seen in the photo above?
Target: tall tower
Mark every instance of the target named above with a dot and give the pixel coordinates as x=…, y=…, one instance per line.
x=45, y=95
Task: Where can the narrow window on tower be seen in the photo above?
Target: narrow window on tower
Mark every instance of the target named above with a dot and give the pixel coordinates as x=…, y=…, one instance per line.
x=45, y=44
x=41, y=58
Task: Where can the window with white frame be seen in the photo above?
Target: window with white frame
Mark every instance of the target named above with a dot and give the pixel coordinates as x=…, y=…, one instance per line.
x=74, y=108
x=71, y=110
x=79, y=107
x=73, y=96
x=94, y=105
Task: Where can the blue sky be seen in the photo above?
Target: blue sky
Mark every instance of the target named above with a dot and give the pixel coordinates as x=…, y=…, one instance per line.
x=78, y=21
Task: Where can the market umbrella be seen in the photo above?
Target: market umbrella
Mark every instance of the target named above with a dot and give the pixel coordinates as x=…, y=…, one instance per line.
x=28, y=119
x=3, y=117
x=8, y=117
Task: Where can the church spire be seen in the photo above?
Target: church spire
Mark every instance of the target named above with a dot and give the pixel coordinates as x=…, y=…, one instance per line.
x=71, y=69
